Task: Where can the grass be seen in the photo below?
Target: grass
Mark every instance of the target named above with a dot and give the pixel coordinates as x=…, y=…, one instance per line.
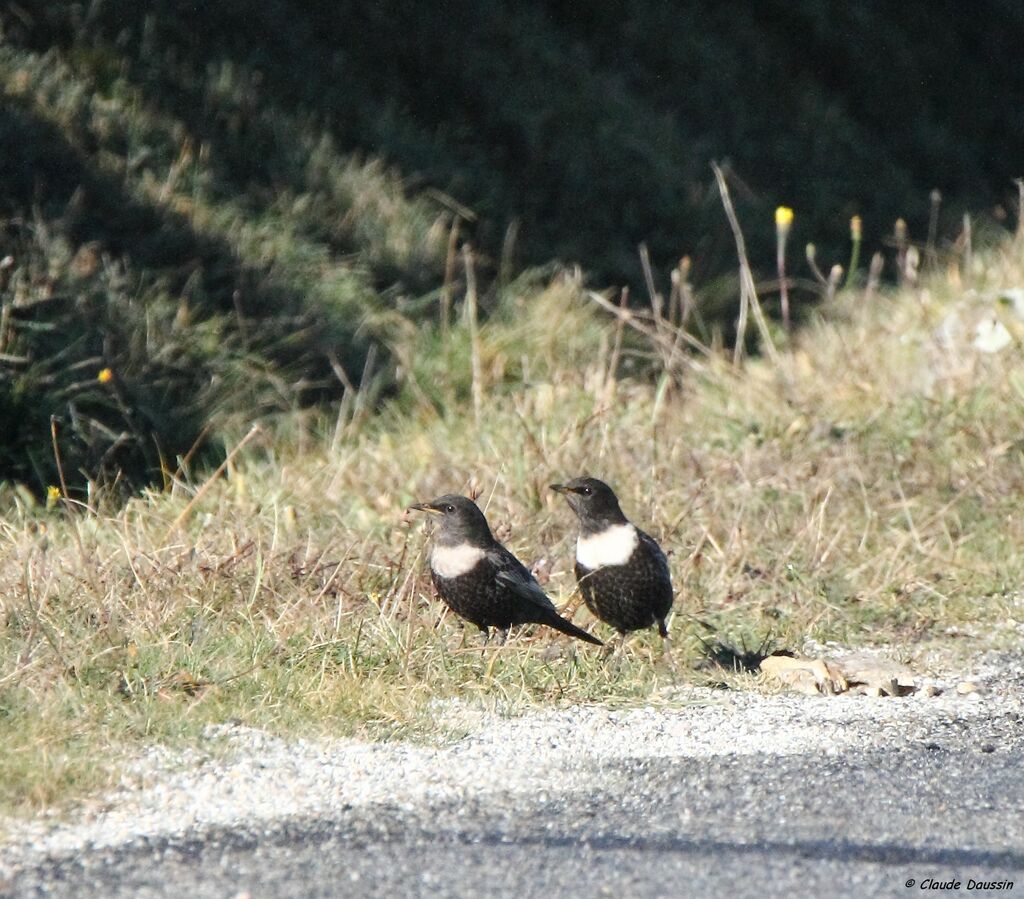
x=862, y=487
x=501, y=125
x=182, y=204
x=130, y=243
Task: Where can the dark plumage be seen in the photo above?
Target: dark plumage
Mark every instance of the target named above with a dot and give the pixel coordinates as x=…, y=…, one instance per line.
x=622, y=572
x=482, y=581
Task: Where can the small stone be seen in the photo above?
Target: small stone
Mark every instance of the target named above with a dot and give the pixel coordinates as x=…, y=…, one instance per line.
x=809, y=676
x=967, y=686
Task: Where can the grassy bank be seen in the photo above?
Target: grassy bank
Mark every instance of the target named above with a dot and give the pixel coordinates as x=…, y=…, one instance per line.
x=236, y=208
x=130, y=243
x=591, y=127
x=861, y=487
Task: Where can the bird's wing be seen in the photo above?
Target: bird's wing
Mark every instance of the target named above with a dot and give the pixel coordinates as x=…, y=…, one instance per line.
x=648, y=541
x=513, y=574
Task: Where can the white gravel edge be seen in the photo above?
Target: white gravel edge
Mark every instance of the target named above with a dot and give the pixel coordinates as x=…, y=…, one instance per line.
x=265, y=780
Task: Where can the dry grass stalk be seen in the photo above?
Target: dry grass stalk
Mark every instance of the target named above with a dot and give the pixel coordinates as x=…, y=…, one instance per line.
x=474, y=331
x=749, y=302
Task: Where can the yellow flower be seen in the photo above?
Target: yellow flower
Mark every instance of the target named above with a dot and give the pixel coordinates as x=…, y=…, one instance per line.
x=105, y=376
x=783, y=218
x=52, y=495
x=855, y=228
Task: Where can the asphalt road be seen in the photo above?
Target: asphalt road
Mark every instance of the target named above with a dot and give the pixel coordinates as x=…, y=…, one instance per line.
x=930, y=808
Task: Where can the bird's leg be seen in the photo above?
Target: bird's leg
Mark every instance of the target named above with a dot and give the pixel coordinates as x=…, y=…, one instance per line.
x=486, y=631
x=611, y=650
x=666, y=644
x=614, y=655
x=666, y=652
x=502, y=635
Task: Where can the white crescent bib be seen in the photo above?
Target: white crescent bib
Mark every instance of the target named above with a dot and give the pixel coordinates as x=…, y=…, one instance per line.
x=454, y=561
x=612, y=546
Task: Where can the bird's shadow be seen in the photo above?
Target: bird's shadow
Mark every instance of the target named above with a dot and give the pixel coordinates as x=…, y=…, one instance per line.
x=718, y=653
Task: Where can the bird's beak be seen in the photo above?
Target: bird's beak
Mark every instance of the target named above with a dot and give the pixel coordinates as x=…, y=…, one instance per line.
x=560, y=488
x=425, y=507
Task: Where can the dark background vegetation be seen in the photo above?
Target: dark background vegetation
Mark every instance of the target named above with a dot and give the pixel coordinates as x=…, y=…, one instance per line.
x=190, y=198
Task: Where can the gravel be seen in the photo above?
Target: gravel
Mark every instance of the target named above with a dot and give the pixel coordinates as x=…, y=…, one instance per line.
x=511, y=773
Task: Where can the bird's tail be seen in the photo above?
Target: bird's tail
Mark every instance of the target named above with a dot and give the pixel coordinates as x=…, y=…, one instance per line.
x=567, y=627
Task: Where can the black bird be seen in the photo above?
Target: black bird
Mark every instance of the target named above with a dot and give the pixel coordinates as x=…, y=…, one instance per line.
x=622, y=572
x=482, y=581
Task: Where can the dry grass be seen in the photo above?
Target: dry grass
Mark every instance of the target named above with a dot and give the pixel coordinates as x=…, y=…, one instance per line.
x=862, y=488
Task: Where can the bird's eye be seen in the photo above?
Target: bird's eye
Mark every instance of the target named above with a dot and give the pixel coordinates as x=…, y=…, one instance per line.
x=449, y=508
x=586, y=491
